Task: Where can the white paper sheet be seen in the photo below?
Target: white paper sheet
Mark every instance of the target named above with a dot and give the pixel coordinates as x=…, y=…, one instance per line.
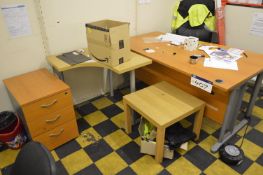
x=254, y=1
x=173, y=38
x=16, y=19
x=214, y=63
x=257, y=24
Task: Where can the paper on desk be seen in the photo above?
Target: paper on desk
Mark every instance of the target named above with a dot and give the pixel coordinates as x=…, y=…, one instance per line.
x=220, y=64
x=173, y=38
x=231, y=55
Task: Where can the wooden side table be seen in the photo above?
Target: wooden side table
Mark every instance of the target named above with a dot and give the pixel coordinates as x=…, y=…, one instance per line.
x=163, y=104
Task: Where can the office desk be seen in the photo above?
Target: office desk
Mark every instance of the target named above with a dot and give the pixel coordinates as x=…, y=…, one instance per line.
x=135, y=62
x=171, y=63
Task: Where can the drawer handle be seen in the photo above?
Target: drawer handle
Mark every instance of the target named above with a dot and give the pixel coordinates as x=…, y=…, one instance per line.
x=53, y=120
x=50, y=104
x=57, y=134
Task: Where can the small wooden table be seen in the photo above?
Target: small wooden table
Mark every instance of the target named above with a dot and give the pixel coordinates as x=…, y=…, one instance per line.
x=163, y=104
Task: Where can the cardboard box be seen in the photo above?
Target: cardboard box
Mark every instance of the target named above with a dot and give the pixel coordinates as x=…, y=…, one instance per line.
x=109, y=41
x=149, y=147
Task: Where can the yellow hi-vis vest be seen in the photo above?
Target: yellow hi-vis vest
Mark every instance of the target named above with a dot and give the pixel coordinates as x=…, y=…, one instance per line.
x=198, y=14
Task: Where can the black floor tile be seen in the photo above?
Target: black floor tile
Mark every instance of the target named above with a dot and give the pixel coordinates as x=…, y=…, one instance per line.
x=141, y=85
x=203, y=135
x=255, y=136
x=130, y=152
x=164, y=172
x=111, y=110
x=254, y=121
x=199, y=157
x=260, y=160
x=135, y=132
x=106, y=127
x=82, y=124
x=217, y=133
x=191, y=118
x=67, y=149
x=259, y=103
x=167, y=162
x=243, y=166
x=234, y=139
x=117, y=96
x=98, y=150
x=127, y=171
x=92, y=170
x=86, y=109
x=61, y=169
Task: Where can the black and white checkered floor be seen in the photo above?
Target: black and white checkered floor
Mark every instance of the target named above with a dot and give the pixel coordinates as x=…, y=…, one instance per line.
x=104, y=148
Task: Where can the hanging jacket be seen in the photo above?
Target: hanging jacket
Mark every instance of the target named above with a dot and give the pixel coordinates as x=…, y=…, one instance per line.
x=196, y=12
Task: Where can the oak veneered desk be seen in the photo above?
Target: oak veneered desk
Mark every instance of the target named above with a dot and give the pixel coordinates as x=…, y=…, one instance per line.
x=136, y=61
x=171, y=63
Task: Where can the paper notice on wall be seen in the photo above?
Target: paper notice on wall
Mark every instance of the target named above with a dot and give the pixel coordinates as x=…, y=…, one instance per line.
x=254, y=2
x=16, y=19
x=257, y=24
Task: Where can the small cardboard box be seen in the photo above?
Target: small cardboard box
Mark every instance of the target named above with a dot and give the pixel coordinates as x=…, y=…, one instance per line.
x=109, y=41
x=149, y=147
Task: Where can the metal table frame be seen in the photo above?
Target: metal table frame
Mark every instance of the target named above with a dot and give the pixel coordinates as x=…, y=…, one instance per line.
x=110, y=75
x=229, y=128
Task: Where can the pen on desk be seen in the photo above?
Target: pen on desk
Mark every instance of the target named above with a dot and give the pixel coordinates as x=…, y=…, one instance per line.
x=245, y=54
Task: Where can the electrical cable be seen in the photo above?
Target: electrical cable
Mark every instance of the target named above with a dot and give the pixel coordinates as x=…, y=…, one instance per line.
x=249, y=119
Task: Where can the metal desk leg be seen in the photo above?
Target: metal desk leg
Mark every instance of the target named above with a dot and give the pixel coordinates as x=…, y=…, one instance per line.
x=59, y=74
x=228, y=129
x=132, y=81
x=111, y=83
x=132, y=89
x=237, y=107
x=253, y=98
x=105, y=80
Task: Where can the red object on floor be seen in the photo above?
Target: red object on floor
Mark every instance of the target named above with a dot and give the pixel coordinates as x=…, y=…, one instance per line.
x=13, y=136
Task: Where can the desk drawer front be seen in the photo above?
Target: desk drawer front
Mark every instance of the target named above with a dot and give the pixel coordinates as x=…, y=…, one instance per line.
x=47, y=105
x=59, y=135
x=47, y=122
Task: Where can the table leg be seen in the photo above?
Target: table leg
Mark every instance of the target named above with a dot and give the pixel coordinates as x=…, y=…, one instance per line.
x=160, y=144
x=237, y=108
x=255, y=91
x=132, y=89
x=132, y=81
x=128, y=116
x=105, y=80
x=198, y=122
x=225, y=134
x=111, y=83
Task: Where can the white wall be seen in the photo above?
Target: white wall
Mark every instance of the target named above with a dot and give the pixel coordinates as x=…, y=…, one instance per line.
x=62, y=25
x=155, y=16
x=21, y=54
x=238, y=21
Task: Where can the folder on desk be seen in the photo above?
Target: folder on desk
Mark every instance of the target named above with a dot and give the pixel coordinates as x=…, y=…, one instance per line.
x=73, y=59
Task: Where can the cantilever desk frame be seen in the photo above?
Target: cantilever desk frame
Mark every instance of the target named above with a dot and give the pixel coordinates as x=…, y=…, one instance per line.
x=235, y=89
x=135, y=62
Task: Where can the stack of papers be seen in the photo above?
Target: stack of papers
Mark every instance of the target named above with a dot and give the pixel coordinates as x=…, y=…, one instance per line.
x=215, y=63
x=221, y=58
x=173, y=38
